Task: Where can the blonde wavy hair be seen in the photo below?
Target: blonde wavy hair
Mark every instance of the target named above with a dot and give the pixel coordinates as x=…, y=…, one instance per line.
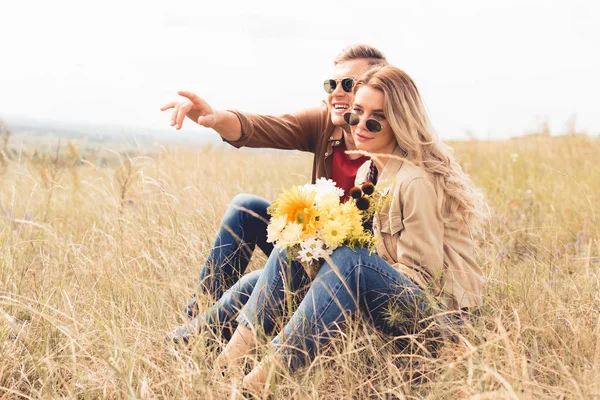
x=404, y=110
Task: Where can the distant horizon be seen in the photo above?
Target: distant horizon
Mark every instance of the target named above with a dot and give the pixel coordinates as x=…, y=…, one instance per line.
x=196, y=133
x=74, y=129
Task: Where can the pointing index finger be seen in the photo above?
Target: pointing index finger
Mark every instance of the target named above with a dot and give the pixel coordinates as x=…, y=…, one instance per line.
x=190, y=95
x=194, y=98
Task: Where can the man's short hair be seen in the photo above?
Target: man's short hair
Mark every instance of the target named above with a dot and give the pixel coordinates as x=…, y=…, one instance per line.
x=360, y=51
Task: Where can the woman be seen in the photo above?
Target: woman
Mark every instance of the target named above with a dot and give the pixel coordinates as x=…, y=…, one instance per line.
x=424, y=260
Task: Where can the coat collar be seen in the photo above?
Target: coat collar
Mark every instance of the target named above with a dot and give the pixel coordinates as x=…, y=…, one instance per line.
x=392, y=166
x=337, y=134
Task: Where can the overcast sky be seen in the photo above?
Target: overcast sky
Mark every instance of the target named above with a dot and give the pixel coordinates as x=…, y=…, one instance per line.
x=495, y=68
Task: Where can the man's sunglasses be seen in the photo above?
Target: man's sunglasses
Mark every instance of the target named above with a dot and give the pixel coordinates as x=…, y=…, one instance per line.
x=331, y=84
x=372, y=125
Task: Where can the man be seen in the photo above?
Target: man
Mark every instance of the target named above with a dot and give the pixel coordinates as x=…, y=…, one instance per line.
x=320, y=130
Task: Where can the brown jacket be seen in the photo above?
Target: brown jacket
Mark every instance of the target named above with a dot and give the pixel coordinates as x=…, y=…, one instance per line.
x=414, y=240
x=309, y=130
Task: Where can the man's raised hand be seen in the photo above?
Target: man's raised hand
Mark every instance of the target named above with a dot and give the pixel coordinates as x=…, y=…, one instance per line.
x=194, y=107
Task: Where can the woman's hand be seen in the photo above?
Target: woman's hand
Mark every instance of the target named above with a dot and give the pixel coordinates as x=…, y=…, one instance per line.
x=312, y=268
x=194, y=107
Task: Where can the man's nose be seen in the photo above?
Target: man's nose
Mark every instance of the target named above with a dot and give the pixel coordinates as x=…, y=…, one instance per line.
x=338, y=89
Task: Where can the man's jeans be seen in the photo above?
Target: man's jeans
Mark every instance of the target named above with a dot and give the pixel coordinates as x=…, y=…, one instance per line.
x=355, y=281
x=222, y=278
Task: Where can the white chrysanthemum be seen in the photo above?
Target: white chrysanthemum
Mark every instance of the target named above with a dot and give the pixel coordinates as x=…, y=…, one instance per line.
x=321, y=188
x=306, y=256
x=328, y=186
x=276, y=225
x=291, y=234
x=312, y=249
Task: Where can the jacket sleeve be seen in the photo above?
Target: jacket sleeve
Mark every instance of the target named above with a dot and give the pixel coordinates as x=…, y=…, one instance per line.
x=299, y=131
x=421, y=242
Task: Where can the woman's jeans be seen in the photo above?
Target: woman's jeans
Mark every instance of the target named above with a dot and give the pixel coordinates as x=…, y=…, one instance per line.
x=222, y=278
x=355, y=281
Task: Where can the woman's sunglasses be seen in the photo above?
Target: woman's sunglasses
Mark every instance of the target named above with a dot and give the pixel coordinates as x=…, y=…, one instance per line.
x=331, y=84
x=372, y=125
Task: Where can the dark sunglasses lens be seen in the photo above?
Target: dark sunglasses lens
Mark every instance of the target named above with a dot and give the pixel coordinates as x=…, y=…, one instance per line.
x=373, y=126
x=351, y=119
x=329, y=85
x=347, y=84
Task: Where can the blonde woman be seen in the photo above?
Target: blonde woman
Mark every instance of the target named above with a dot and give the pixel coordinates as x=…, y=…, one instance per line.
x=424, y=261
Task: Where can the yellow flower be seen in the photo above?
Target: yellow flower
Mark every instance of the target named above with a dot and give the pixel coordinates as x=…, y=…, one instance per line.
x=300, y=209
x=353, y=218
x=334, y=232
x=349, y=208
x=329, y=208
x=328, y=203
x=291, y=235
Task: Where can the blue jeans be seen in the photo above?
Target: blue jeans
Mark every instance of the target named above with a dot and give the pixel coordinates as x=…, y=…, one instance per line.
x=356, y=281
x=220, y=318
x=243, y=227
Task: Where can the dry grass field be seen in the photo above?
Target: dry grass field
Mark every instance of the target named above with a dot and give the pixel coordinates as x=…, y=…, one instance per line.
x=96, y=262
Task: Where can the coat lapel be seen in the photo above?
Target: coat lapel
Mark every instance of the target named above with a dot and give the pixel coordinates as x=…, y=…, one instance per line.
x=390, y=170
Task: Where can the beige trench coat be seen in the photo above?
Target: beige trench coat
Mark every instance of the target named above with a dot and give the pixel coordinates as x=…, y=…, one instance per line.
x=414, y=240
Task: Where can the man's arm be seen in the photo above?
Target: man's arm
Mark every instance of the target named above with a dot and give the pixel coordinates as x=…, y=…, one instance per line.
x=297, y=131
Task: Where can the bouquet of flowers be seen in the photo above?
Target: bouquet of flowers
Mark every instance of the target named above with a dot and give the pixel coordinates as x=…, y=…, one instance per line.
x=311, y=221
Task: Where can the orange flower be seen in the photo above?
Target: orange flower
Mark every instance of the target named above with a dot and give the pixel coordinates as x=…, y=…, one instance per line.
x=299, y=207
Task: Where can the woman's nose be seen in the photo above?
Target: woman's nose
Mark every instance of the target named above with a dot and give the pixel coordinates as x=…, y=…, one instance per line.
x=362, y=123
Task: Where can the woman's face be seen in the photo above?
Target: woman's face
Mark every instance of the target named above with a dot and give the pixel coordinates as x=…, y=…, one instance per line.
x=368, y=104
x=339, y=101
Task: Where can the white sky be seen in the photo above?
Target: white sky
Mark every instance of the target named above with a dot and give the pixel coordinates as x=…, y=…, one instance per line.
x=497, y=67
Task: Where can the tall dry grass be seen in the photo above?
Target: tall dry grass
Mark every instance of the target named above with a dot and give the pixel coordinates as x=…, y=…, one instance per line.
x=97, y=262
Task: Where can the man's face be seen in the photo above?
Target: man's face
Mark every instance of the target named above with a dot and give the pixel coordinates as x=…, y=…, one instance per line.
x=339, y=101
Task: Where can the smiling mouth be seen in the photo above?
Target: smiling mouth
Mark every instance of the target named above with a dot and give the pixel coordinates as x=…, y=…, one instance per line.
x=340, y=107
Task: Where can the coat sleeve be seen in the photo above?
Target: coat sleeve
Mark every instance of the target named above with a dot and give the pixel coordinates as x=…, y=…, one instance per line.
x=421, y=242
x=299, y=131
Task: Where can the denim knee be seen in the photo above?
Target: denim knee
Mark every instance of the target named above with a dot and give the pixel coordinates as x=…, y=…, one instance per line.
x=345, y=255
x=245, y=201
x=242, y=199
x=249, y=211
x=239, y=203
x=346, y=260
